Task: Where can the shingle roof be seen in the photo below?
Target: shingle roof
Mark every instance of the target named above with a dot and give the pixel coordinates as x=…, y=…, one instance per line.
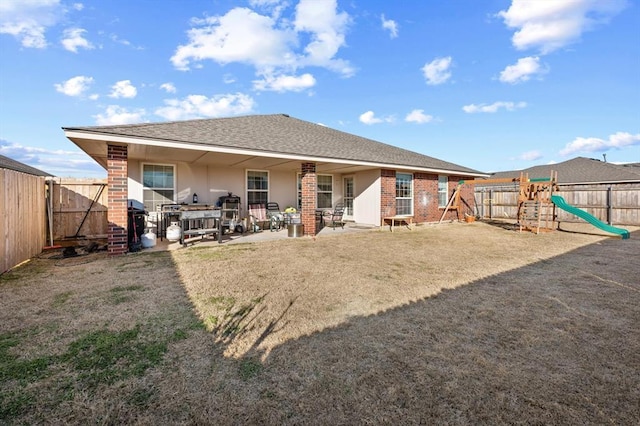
x=277, y=133
x=581, y=170
x=8, y=163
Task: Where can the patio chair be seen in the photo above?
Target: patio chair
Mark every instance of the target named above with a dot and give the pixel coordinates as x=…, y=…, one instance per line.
x=258, y=217
x=334, y=218
x=275, y=216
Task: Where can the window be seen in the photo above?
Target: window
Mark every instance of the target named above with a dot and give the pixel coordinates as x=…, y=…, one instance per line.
x=324, y=191
x=257, y=187
x=158, y=186
x=443, y=191
x=404, y=194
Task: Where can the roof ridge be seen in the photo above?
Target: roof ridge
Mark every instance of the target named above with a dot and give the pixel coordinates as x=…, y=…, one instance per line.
x=162, y=123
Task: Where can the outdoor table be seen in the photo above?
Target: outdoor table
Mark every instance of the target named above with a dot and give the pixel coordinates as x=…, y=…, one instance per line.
x=408, y=221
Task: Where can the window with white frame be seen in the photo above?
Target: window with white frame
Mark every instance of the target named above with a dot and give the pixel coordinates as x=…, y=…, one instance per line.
x=257, y=187
x=158, y=185
x=443, y=191
x=404, y=194
x=324, y=191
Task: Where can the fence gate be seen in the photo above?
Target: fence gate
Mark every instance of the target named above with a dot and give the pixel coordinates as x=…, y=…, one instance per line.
x=79, y=208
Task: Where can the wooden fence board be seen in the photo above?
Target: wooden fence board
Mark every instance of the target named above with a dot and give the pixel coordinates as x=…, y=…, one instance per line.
x=22, y=217
x=501, y=202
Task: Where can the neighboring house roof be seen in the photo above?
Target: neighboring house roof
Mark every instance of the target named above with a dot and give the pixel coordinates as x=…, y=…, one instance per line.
x=581, y=170
x=273, y=134
x=11, y=164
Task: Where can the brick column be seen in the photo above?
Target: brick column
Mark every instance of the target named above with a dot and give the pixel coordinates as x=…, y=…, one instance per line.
x=309, y=198
x=387, y=193
x=117, y=199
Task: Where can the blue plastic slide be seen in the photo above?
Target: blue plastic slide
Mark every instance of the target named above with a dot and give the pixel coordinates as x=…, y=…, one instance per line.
x=562, y=204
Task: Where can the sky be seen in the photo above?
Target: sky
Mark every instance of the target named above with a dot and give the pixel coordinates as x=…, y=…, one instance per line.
x=493, y=85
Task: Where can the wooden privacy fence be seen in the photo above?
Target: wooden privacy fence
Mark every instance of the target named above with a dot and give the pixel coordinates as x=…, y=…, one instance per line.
x=612, y=204
x=79, y=209
x=35, y=213
x=22, y=217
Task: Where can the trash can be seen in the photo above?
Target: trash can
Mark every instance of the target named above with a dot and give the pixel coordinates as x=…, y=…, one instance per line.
x=295, y=230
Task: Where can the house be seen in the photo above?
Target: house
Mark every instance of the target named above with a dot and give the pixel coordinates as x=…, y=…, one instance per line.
x=265, y=158
x=581, y=171
x=608, y=191
x=23, y=212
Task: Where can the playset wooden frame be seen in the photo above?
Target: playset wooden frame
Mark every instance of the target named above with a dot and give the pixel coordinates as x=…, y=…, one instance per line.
x=536, y=211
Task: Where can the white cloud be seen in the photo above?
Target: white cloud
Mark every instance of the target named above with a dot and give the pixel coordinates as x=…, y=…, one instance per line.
x=418, y=116
x=437, y=71
x=522, y=70
x=200, y=106
x=13, y=150
x=616, y=141
x=551, y=25
x=28, y=20
x=327, y=30
x=75, y=86
x=168, y=87
x=73, y=39
x=268, y=43
x=530, y=156
x=116, y=115
x=370, y=118
x=123, y=89
x=494, y=107
x=283, y=83
x=264, y=3
x=116, y=39
x=391, y=25
x=241, y=35
x=78, y=6
x=57, y=162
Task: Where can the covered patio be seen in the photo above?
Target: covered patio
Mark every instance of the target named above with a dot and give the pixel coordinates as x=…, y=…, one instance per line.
x=271, y=158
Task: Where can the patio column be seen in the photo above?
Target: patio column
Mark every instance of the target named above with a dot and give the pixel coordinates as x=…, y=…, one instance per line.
x=117, y=232
x=309, y=198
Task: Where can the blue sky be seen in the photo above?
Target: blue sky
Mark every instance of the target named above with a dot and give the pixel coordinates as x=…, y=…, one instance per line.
x=492, y=85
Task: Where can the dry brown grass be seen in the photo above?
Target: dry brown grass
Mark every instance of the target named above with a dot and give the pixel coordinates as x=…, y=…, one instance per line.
x=453, y=324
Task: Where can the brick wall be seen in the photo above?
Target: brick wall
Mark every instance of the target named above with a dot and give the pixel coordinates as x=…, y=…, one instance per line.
x=117, y=199
x=425, y=197
x=388, y=192
x=467, y=194
x=309, y=198
x=467, y=204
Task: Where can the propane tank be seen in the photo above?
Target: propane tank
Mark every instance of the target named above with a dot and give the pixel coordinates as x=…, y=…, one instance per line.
x=148, y=239
x=174, y=232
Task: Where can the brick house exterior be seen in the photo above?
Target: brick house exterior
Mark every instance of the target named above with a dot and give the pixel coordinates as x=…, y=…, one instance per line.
x=214, y=157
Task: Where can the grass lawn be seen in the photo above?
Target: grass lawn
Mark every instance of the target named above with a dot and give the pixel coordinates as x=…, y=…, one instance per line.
x=449, y=324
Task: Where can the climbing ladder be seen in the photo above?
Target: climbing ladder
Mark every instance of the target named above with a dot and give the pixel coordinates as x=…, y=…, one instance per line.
x=536, y=212
x=530, y=216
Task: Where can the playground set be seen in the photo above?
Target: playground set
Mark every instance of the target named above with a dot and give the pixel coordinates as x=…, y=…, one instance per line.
x=536, y=204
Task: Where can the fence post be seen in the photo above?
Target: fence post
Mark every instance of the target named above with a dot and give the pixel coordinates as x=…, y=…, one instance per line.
x=609, y=205
x=491, y=204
